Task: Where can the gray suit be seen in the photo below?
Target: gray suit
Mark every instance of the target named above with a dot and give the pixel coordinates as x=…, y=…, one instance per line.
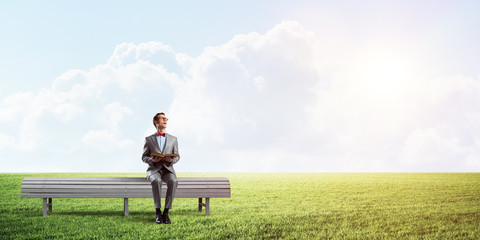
x=161, y=171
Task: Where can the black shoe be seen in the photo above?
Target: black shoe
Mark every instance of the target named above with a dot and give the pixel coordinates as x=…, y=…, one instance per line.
x=166, y=219
x=159, y=219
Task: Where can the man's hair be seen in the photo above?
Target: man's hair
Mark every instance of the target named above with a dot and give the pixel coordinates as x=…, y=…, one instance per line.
x=155, y=118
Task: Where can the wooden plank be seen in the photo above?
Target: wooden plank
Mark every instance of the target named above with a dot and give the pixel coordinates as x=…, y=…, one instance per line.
x=122, y=190
x=126, y=178
x=116, y=191
x=26, y=186
x=187, y=191
x=117, y=179
x=46, y=189
x=118, y=186
x=128, y=195
x=108, y=194
x=81, y=183
x=117, y=183
x=207, y=179
x=126, y=192
x=193, y=191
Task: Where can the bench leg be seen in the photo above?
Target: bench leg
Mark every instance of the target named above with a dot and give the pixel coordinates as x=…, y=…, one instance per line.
x=44, y=207
x=207, y=206
x=125, y=206
x=50, y=205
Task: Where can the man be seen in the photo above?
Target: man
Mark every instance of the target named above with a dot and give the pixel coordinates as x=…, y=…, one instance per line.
x=161, y=169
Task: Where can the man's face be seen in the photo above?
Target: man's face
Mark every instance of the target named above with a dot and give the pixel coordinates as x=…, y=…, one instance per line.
x=162, y=121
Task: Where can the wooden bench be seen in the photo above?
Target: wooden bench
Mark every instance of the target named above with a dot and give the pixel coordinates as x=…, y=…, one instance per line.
x=120, y=187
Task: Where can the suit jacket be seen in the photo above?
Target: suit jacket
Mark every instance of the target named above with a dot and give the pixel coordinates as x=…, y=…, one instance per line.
x=151, y=145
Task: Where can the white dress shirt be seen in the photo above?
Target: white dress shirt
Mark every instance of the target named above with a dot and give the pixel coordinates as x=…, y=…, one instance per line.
x=161, y=142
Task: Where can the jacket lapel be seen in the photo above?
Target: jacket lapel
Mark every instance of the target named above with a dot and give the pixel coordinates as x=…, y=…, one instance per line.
x=166, y=142
x=154, y=140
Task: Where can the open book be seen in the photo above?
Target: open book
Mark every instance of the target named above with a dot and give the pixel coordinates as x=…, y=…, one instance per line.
x=164, y=155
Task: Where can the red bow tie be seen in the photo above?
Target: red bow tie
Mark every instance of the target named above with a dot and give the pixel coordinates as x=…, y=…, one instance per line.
x=161, y=134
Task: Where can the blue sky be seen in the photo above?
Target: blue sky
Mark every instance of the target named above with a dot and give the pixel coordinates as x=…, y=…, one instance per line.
x=61, y=35
x=269, y=86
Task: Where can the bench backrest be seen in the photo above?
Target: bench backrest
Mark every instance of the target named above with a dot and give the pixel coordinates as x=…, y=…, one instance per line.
x=119, y=187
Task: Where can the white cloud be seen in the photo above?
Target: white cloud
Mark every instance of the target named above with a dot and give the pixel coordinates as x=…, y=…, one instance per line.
x=67, y=80
x=113, y=114
x=473, y=159
x=259, y=82
x=429, y=146
x=109, y=139
x=5, y=141
x=14, y=105
x=260, y=102
x=105, y=141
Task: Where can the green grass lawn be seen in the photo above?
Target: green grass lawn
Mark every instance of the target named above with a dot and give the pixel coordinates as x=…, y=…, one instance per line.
x=264, y=206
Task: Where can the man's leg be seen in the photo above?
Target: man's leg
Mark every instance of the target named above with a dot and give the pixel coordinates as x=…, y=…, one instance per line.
x=156, y=182
x=171, y=181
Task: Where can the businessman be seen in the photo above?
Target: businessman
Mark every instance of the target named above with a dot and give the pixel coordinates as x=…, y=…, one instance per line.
x=161, y=169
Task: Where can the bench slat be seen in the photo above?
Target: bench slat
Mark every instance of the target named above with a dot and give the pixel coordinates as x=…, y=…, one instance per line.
x=119, y=179
x=100, y=191
x=128, y=195
x=205, y=185
x=27, y=190
x=120, y=184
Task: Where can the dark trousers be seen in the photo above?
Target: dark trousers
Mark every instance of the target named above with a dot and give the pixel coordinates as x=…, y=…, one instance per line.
x=156, y=181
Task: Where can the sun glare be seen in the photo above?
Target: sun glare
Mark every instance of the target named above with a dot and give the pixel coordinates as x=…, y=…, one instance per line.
x=385, y=74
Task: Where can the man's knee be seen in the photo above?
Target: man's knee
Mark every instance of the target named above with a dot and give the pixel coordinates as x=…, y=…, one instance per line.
x=154, y=180
x=172, y=182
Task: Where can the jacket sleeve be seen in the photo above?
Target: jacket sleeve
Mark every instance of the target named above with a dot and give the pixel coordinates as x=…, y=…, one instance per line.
x=146, y=158
x=175, y=150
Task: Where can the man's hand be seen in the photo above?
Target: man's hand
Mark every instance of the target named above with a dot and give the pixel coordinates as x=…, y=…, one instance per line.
x=156, y=159
x=169, y=159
